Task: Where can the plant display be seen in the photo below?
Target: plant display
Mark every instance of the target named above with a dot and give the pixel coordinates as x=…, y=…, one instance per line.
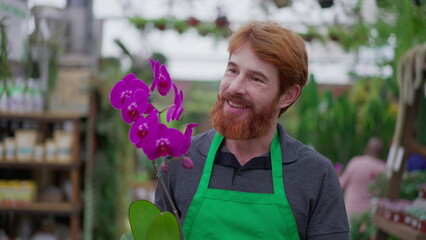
x=410, y=185
x=134, y=98
x=219, y=28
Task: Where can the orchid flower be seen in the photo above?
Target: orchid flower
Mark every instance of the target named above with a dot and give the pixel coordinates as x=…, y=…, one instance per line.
x=134, y=106
x=149, y=109
x=133, y=97
x=187, y=137
x=162, y=80
x=187, y=163
x=176, y=109
x=165, y=142
x=124, y=89
x=142, y=127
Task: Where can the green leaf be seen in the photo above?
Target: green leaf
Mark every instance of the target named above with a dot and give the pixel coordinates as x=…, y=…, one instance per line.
x=164, y=227
x=127, y=236
x=141, y=213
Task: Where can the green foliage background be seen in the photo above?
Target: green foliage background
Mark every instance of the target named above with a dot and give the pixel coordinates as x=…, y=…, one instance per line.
x=339, y=126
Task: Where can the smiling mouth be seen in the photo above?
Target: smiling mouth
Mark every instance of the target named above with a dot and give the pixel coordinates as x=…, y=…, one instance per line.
x=235, y=105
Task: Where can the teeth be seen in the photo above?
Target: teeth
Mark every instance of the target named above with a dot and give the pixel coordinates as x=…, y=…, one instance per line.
x=236, y=105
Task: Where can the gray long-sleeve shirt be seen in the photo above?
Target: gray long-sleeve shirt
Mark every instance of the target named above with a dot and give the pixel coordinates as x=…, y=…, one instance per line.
x=311, y=184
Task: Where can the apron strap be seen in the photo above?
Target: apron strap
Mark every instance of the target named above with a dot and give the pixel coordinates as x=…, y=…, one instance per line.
x=200, y=194
x=279, y=191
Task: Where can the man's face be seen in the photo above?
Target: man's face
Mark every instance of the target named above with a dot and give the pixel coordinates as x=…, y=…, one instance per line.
x=248, y=100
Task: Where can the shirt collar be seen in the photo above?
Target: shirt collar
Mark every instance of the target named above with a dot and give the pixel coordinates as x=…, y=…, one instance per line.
x=288, y=145
x=226, y=158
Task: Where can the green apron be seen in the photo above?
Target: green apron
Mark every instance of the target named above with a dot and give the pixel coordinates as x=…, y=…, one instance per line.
x=232, y=215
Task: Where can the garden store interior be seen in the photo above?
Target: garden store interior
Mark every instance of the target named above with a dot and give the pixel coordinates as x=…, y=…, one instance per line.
x=67, y=167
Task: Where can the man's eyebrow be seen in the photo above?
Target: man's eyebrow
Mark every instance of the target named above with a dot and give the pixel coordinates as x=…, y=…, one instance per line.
x=232, y=64
x=258, y=73
x=253, y=72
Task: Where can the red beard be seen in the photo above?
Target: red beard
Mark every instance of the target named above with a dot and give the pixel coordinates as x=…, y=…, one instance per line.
x=256, y=125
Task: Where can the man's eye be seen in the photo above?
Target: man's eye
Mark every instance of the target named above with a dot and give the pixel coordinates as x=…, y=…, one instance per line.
x=256, y=79
x=231, y=70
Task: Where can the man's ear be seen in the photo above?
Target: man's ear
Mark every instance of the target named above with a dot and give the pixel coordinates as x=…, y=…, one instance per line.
x=291, y=95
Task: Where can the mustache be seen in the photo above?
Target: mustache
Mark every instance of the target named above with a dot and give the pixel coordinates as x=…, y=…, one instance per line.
x=236, y=98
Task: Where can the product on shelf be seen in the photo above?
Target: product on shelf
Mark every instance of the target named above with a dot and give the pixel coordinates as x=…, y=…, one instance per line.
x=393, y=211
x=17, y=192
x=10, y=149
x=63, y=143
x=25, y=144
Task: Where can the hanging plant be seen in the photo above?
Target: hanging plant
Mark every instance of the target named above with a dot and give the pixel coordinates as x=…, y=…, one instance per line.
x=139, y=22
x=180, y=25
x=5, y=72
x=203, y=29
x=335, y=33
x=360, y=35
x=160, y=23
x=222, y=22
x=53, y=65
x=312, y=34
x=192, y=21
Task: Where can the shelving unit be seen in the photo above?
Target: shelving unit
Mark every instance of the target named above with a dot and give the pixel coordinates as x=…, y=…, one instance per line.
x=398, y=230
x=73, y=207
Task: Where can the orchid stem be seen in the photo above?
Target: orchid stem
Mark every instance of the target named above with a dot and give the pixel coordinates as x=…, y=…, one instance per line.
x=164, y=190
x=164, y=109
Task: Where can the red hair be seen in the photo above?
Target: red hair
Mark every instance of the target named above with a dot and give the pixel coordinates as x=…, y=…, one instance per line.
x=277, y=45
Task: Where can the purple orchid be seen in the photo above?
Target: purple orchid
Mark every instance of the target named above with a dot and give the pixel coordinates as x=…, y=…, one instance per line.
x=162, y=80
x=187, y=137
x=164, y=167
x=132, y=96
x=124, y=89
x=166, y=142
x=134, y=106
x=176, y=109
x=149, y=109
x=142, y=127
x=187, y=163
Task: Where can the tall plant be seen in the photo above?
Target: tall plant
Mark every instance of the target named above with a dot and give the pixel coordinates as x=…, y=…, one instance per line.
x=339, y=126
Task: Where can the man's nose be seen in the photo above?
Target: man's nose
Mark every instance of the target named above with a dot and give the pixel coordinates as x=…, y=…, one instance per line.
x=238, y=85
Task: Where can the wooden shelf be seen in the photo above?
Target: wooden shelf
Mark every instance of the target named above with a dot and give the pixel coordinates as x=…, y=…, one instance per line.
x=398, y=230
x=36, y=165
x=71, y=209
x=43, y=207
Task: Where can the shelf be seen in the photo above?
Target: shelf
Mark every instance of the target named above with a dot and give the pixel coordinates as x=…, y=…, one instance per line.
x=42, y=207
x=35, y=165
x=398, y=230
x=46, y=116
x=71, y=209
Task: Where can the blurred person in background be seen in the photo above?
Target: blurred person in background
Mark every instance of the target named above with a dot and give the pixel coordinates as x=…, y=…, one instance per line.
x=250, y=179
x=359, y=173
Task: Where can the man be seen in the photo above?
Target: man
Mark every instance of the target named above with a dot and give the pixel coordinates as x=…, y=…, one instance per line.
x=250, y=179
x=359, y=173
